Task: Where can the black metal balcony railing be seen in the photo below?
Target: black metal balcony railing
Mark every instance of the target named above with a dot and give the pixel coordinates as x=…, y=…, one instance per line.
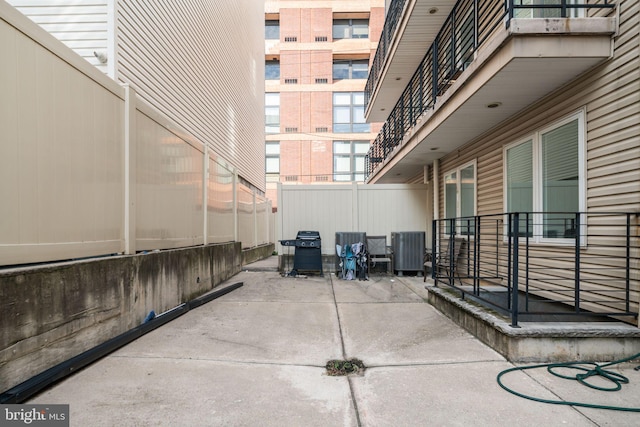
x=541, y=266
x=469, y=25
x=390, y=24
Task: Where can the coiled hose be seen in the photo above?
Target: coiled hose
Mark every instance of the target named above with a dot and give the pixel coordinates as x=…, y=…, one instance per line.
x=616, y=379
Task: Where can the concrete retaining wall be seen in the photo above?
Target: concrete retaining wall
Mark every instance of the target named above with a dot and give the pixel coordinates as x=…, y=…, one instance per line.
x=51, y=313
x=257, y=253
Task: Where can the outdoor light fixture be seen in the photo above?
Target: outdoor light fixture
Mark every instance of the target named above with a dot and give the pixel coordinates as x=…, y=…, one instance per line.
x=433, y=10
x=434, y=148
x=494, y=105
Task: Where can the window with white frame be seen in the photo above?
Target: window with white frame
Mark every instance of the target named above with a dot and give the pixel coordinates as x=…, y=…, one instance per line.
x=350, y=69
x=553, y=9
x=272, y=112
x=544, y=174
x=350, y=28
x=272, y=160
x=348, y=160
x=460, y=197
x=348, y=112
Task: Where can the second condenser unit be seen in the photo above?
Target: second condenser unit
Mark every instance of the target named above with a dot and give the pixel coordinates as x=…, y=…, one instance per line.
x=408, y=251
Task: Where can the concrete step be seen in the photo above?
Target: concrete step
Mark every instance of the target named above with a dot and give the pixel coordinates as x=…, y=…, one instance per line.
x=538, y=341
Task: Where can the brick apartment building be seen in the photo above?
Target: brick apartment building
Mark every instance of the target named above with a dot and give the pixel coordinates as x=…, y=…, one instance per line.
x=317, y=56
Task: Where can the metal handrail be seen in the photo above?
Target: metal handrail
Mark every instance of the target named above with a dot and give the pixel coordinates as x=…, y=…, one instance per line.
x=390, y=24
x=590, y=270
x=466, y=29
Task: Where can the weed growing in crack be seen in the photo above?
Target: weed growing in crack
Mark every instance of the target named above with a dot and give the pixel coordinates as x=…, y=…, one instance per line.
x=351, y=366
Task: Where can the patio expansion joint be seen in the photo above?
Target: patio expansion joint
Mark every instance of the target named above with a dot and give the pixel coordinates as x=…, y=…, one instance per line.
x=352, y=393
x=429, y=364
x=217, y=360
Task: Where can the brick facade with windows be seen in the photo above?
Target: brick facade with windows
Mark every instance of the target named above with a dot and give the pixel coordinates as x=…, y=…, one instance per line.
x=306, y=51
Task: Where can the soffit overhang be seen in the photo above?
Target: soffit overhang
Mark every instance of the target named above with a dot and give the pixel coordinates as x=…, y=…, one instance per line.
x=515, y=71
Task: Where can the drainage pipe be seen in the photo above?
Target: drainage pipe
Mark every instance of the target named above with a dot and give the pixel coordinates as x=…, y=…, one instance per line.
x=436, y=190
x=30, y=387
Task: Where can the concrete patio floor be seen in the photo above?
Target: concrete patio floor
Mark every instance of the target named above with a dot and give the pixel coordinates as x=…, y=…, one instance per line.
x=256, y=357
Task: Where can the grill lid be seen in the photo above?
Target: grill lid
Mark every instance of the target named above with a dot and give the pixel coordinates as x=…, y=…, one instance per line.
x=308, y=235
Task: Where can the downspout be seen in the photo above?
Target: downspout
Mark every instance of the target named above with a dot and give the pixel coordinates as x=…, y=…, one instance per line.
x=436, y=189
x=205, y=195
x=235, y=205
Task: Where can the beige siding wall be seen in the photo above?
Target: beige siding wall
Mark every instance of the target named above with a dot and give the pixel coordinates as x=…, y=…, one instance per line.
x=202, y=65
x=374, y=209
x=82, y=25
x=610, y=94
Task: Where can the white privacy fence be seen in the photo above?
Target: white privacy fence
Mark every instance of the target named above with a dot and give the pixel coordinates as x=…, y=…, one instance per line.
x=377, y=210
x=88, y=169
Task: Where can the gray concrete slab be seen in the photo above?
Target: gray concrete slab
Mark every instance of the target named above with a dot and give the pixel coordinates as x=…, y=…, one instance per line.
x=572, y=391
x=165, y=391
x=457, y=394
x=266, y=332
x=379, y=288
x=256, y=356
x=271, y=287
x=401, y=333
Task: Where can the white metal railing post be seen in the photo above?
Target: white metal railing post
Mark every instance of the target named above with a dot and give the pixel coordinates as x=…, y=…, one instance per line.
x=279, y=214
x=255, y=219
x=205, y=195
x=129, y=170
x=235, y=205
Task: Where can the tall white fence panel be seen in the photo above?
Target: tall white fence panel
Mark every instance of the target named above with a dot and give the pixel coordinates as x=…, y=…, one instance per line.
x=322, y=208
x=220, y=202
x=246, y=216
x=88, y=169
x=263, y=213
x=61, y=149
x=386, y=208
x=169, y=176
x=378, y=209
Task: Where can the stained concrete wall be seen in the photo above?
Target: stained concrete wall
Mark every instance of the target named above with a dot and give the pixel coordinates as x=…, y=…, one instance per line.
x=257, y=253
x=51, y=313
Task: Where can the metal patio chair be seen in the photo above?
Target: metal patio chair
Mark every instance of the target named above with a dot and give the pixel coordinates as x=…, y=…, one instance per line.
x=379, y=252
x=446, y=259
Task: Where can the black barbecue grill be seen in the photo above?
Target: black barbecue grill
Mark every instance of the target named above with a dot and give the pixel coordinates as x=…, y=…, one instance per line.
x=308, y=255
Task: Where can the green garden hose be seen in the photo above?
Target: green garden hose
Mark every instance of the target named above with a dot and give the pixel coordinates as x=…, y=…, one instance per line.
x=616, y=379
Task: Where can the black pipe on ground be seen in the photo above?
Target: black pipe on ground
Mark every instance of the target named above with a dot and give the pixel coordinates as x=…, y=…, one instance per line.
x=32, y=386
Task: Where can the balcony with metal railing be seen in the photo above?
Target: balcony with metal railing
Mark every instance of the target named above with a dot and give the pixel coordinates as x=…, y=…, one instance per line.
x=543, y=266
x=470, y=78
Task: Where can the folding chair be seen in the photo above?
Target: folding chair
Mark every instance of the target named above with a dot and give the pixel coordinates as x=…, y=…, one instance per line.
x=446, y=259
x=379, y=252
